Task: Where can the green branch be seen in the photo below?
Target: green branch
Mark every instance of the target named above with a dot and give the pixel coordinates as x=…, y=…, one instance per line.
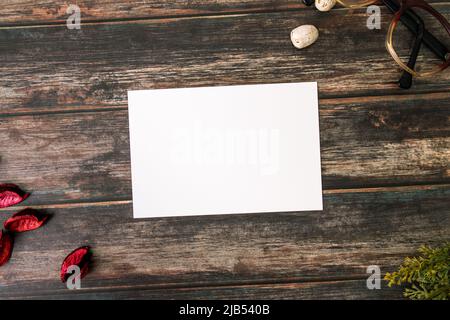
x=426, y=275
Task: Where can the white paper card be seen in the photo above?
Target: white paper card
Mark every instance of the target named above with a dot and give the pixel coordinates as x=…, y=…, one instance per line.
x=223, y=150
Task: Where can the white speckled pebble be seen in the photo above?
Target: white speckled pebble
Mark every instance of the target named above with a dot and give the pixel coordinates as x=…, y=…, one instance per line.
x=304, y=36
x=325, y=5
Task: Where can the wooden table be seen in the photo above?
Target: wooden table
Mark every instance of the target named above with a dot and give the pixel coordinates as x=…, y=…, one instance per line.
x=64, y=136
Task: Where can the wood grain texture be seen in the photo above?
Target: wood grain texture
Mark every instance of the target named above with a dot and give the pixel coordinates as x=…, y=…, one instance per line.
x=355, y=230
x=64, y=133
x=54, y=11
x=329, y=290
x=365, y=142
x=25, y=12
x=49, y=69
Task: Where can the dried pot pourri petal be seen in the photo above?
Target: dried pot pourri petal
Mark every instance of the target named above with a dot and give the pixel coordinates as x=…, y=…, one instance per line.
x=6, y=245
x=79, y=257
x=25, y=220
x=10, y=195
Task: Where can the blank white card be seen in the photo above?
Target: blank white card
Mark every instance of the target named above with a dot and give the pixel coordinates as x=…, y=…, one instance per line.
x=224, y=150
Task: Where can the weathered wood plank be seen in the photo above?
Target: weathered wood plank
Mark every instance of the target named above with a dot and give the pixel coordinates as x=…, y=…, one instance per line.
x=389, y=140
x=52, y=68
x=365, y=142
x=332, y=290
x=53, y=11
x=73, y=158
x=355, y=230
x=24, y=12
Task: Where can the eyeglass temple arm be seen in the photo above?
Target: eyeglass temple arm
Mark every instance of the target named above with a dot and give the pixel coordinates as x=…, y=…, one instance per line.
x=405, y=81
x=409, y=19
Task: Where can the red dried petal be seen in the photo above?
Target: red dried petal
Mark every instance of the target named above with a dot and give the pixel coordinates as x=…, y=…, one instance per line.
x=10, y=195
x=6, y=245
x=79, y=257
x=25, y=220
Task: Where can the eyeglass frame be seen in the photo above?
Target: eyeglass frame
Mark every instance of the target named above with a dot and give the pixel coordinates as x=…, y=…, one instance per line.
x=428, y=39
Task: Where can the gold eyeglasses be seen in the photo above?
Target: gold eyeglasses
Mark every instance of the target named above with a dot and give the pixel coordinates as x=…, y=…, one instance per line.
x=427, y=26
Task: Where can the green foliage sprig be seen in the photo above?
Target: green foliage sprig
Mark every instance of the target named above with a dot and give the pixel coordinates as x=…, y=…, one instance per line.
x=427, y=274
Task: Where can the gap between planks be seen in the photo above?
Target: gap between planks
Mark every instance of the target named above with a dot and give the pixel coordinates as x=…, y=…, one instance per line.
x=80, y=204
x=167, y=18
x=322, y=101
x=205, y=285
